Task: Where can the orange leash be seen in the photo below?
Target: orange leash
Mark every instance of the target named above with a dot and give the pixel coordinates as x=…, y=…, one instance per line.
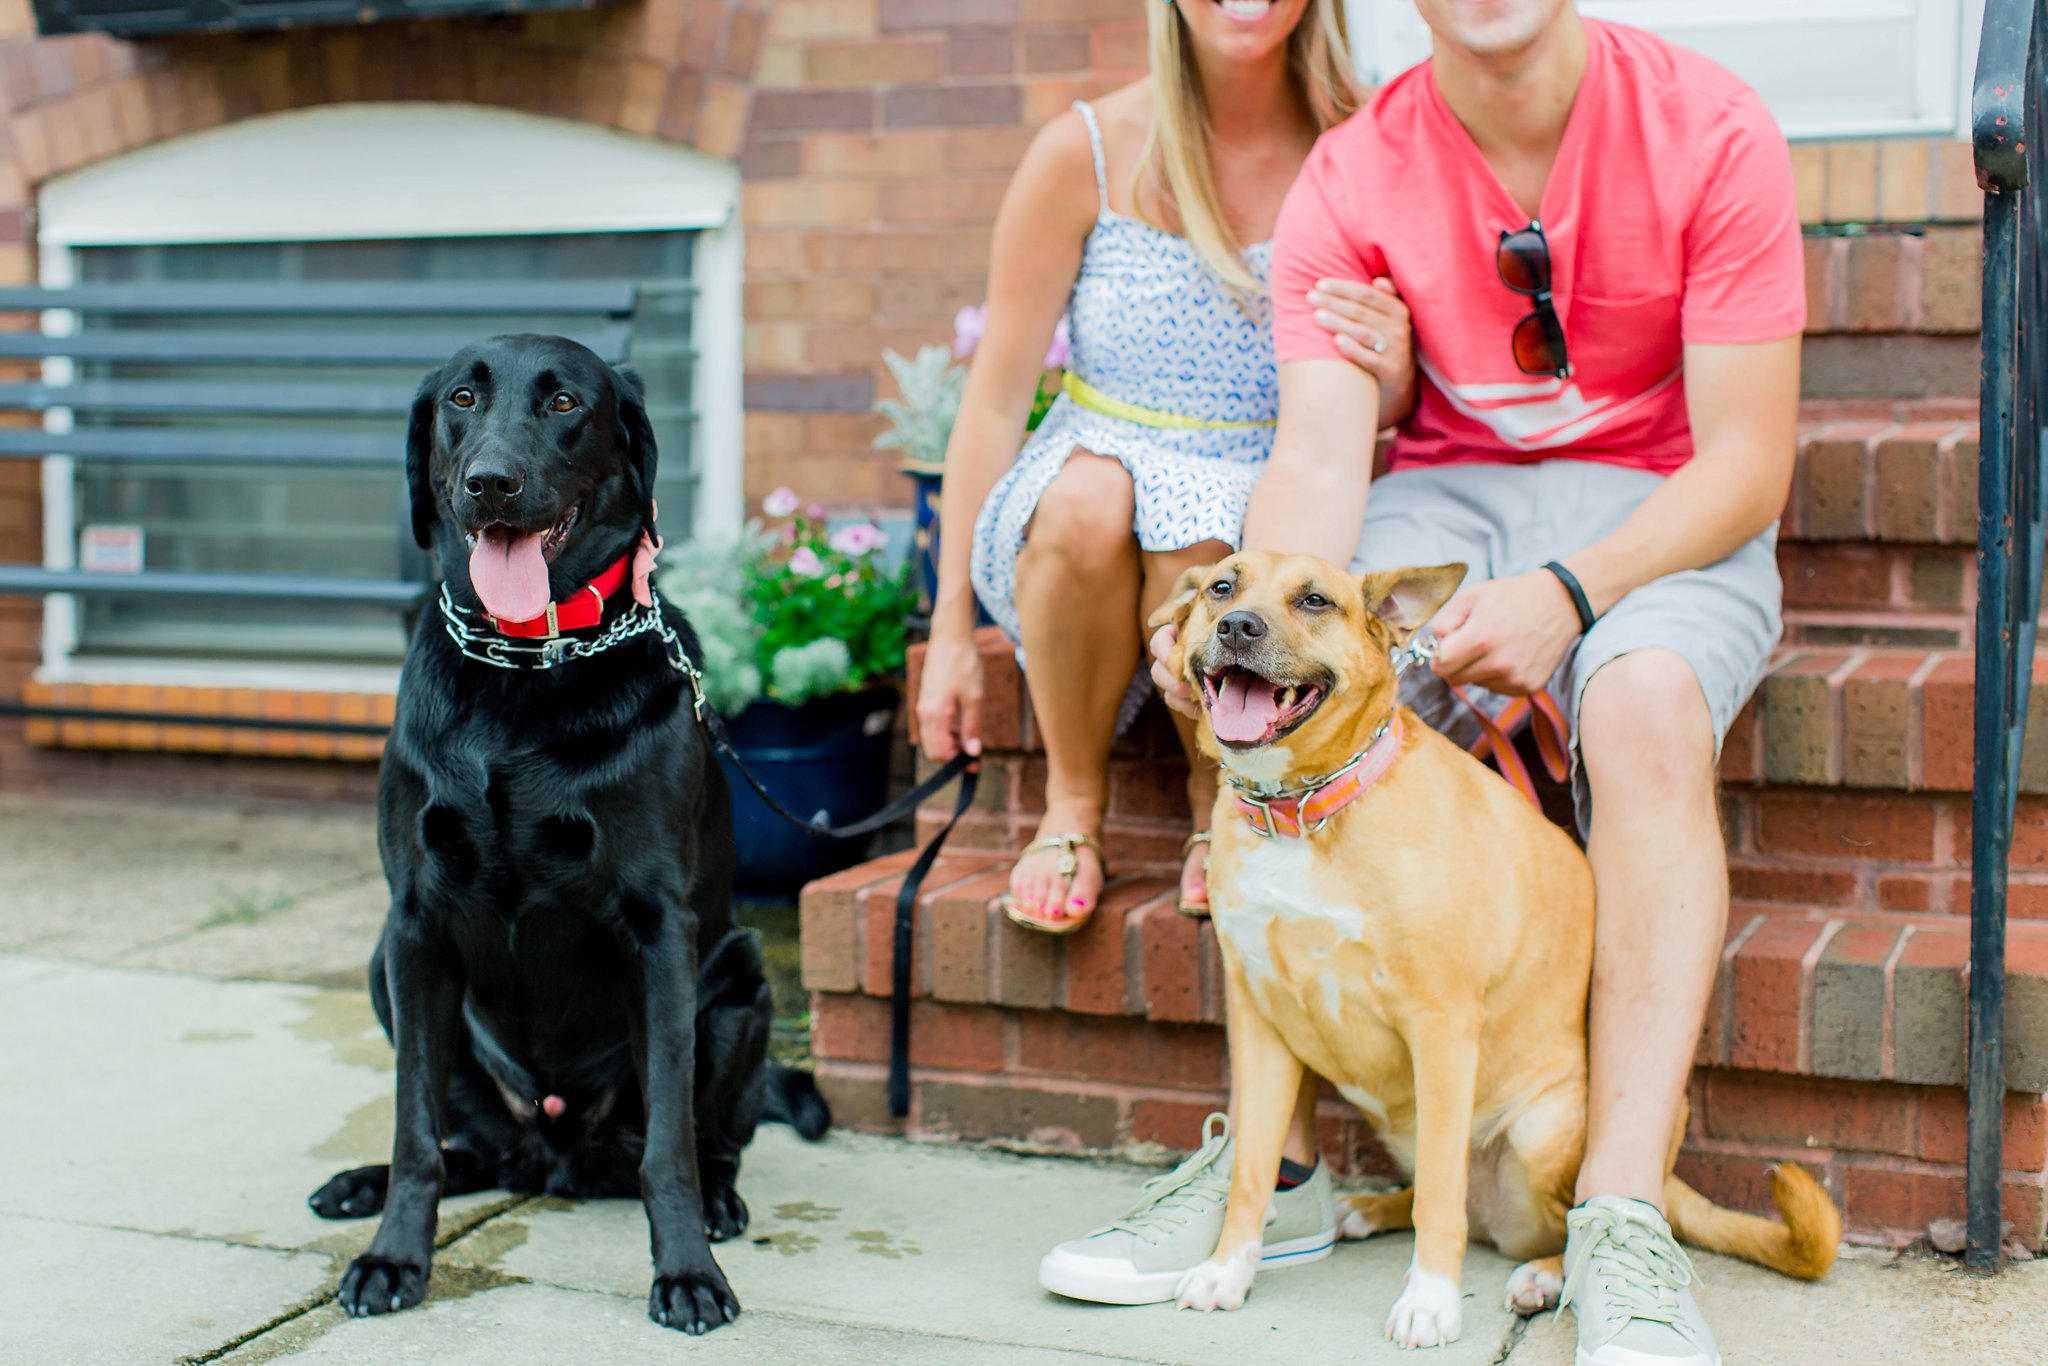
x=1553, y=739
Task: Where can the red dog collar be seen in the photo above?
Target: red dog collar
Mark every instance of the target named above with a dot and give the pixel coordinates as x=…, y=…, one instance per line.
x=1302, y=813
x=585, y=609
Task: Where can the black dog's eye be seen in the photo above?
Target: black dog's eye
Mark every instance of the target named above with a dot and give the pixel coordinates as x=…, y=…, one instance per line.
x=1220, y=588
x=562, y=403
x=463, y=398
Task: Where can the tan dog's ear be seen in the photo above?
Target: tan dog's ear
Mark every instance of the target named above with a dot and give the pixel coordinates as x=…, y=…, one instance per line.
x=1405, y=599
x=1181, y=600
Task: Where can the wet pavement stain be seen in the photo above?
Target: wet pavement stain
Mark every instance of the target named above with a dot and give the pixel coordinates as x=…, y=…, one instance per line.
x=806, y=1212
x=344, y=1022
x=365, y=1136
x=881, y=1243
x=214, y=1036
x=489, y=1242
x=788, y=1241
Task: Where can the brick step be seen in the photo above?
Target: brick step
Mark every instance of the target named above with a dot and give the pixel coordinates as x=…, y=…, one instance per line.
x=1832, y=1040
x=1851, y=992
x=1899, y=720
x=1883, y=721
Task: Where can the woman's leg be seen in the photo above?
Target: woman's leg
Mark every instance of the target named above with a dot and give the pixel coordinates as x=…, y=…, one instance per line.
x=1162, y=569
x=1077, y=588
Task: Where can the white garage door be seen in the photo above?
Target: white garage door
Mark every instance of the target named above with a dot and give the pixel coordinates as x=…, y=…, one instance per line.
x=1827, y=68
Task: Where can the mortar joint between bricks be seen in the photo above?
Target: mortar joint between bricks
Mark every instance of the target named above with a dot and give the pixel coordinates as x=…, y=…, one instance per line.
x=1888, y=1043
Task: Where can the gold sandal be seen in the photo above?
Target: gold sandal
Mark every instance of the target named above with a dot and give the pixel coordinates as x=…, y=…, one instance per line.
x=1069, y=865
x=1199, y=910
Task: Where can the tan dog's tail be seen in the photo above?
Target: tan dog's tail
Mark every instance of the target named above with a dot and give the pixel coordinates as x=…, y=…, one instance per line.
x=1803, y=1246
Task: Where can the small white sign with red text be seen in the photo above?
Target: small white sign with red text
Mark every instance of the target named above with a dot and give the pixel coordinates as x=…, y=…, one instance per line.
x=110, y=549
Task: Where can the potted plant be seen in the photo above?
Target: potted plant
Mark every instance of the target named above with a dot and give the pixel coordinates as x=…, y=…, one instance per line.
x=802, y=630
x=921, y=420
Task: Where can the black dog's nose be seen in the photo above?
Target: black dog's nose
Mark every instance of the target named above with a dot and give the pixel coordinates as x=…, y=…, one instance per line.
x=1240, y=628
x=494, y=482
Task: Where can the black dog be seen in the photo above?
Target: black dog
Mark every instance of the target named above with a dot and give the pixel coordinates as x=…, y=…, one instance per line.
x=573, y=1009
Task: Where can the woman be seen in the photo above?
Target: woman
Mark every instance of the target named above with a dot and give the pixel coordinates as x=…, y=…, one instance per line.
x=1131, y=216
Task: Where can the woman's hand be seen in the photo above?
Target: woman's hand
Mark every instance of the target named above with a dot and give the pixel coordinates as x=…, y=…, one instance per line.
x=949, y=697
x=1372, y=330
x=1172, y=687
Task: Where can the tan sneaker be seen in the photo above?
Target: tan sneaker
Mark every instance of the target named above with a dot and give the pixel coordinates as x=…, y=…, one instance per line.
x=1630, y=1284
x=1140, y=1258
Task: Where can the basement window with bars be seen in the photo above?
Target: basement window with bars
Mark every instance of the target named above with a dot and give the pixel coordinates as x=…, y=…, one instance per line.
x=327, y=522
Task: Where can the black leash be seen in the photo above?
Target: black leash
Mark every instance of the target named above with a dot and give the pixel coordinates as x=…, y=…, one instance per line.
x=962, y=766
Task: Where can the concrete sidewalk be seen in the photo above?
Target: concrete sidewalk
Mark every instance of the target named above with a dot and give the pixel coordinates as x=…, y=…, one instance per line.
x=188, y=1055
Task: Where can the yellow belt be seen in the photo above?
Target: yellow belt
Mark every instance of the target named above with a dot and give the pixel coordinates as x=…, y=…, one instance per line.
x=1093, y=399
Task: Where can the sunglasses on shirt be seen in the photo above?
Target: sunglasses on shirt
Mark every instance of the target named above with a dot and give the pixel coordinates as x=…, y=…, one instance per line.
x=1523, y=262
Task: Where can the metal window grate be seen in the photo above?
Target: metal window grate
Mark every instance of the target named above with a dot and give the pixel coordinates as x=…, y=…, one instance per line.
x=244, y=406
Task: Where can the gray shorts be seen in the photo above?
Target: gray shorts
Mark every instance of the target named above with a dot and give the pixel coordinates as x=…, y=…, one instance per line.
x=1502, y=520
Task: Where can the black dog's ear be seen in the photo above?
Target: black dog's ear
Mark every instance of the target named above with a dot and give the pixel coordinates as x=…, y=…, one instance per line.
x=419, y=461
x=641, y=455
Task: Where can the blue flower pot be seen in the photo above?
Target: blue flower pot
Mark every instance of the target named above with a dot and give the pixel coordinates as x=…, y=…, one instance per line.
x=830, y=754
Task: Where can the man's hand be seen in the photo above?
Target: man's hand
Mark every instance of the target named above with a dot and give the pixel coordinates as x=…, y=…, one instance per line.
x=1506, y=635
x=1171, y=685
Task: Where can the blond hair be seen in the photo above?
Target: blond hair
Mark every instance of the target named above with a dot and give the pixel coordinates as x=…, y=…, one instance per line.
x=1318, y=60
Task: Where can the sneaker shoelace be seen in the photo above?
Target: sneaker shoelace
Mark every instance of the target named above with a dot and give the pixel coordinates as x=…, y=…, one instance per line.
x=1640, y=1268
x=1171, y=1201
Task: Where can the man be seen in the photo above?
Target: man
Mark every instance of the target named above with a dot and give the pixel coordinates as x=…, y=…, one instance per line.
x=1597, y=237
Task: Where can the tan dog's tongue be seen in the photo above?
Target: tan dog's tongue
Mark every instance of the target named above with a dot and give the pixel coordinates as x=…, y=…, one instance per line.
x=509, y=573
x=1244, y=710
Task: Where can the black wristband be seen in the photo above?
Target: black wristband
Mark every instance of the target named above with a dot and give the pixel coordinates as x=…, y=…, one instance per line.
x=1579, y=599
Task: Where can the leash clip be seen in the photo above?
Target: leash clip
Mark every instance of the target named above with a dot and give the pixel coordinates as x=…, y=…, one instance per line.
x=1419, y=651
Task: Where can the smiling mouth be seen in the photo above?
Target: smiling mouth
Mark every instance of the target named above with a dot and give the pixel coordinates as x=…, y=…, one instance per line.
x=551, y=542
x=1248, y=710
x=1247, y=11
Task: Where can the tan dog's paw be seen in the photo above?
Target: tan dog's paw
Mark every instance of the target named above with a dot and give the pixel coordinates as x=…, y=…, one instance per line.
x=1220, y=1285
x=1534, y=1287
x=1363, y=1216
x=1429, y=1313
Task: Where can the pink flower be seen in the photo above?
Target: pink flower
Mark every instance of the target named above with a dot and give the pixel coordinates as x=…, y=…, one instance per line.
x=1056, y=357
x=858, y=539
x=968, y=325
x=780, y=503
x=804, y=562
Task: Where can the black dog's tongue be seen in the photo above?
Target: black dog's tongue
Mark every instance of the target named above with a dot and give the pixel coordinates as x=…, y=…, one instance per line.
x=509, y=572
x=1246, y=707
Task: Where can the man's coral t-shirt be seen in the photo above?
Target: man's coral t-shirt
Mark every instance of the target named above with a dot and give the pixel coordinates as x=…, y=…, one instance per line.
x=1670, y=215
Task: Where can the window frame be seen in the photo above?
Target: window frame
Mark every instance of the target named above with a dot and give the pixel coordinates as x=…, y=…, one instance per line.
x=381, y=175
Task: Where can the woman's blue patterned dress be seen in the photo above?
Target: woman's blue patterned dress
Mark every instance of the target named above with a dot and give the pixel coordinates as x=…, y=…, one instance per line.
x=1152, y=326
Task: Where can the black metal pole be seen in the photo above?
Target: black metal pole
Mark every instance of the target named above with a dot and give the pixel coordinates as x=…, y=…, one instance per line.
x=1991, y=792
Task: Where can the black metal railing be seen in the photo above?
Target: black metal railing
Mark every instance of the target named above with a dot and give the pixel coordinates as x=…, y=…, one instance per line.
x=260, y=336
x=2005, y=110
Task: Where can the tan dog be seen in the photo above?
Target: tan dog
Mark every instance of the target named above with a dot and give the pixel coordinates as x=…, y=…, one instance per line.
x=1428, y=949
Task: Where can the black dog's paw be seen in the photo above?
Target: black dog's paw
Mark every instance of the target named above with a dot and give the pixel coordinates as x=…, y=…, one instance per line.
x=725, y=1214
x=695, y=1302
x=381, y=1285
x=355, y=1194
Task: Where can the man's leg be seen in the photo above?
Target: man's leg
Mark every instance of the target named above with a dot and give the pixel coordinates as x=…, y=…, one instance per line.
x=1661, y=874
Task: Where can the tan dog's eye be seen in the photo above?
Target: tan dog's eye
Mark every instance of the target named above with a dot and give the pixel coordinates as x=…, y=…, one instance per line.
x=463, y=398
x=562, y=403
x=1220, y=588
x=1315, y=602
